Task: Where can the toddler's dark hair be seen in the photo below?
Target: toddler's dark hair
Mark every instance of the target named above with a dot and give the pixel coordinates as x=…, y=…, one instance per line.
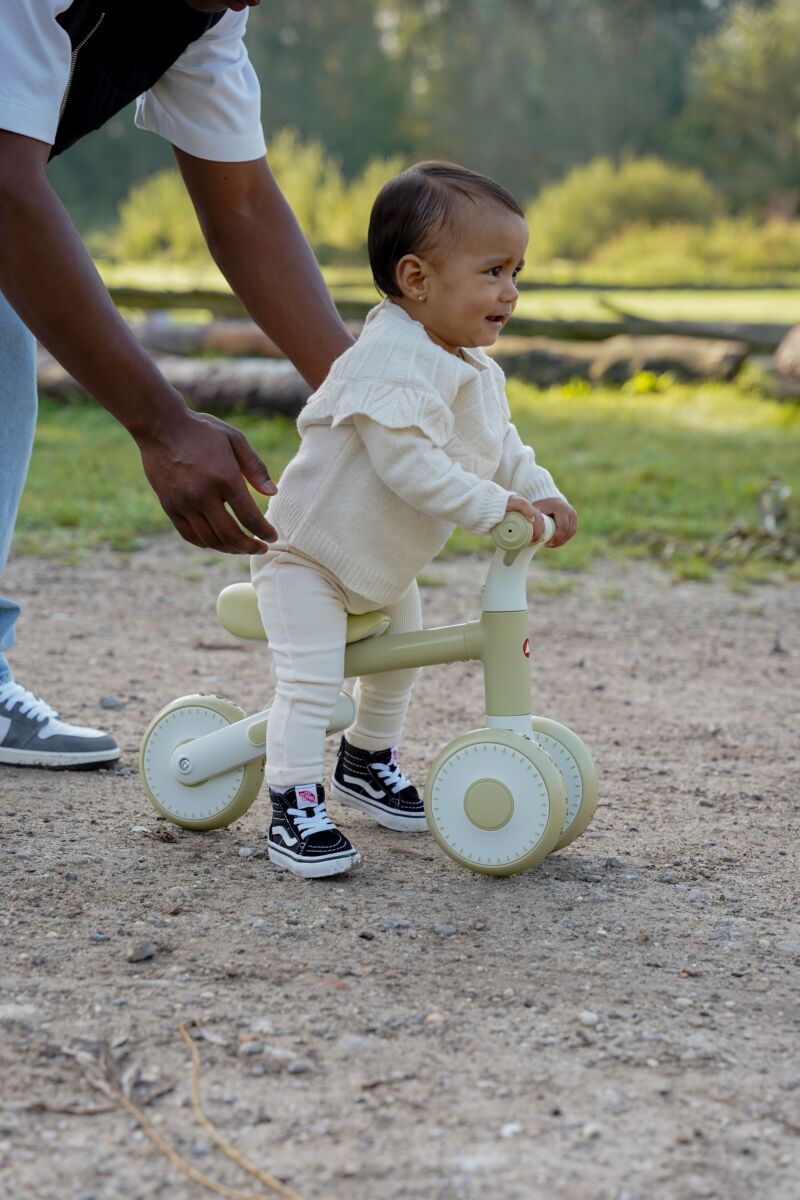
x=411, y=210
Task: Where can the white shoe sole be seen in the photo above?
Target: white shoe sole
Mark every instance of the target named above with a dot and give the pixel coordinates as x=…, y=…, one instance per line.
x=45, y=758
x=387, y=820
x=311, y=870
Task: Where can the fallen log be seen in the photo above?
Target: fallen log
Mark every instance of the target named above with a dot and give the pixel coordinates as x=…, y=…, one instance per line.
x=217, y=386
x=785, y=376
x=759, y=336
x=544, y=361
x=547, y=362
x=687, y=358
x=232, y=337
x=215, y=300
x=225, y=304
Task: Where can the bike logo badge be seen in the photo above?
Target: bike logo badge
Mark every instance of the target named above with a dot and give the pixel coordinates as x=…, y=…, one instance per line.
x=526, y=647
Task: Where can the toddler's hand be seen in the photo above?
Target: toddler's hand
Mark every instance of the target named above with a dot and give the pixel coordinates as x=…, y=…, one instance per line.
x=565, y=517
x=517, y=504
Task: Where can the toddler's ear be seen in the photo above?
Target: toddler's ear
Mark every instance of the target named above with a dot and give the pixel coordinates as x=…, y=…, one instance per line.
x=411, y=276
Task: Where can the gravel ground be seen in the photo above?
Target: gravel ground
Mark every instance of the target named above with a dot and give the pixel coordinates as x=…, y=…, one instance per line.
x=619, y=1023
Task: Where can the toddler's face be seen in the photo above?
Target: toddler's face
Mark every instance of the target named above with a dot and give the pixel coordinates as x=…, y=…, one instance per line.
x=470, y=284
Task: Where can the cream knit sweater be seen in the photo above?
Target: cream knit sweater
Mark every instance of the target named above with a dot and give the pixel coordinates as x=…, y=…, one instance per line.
x=401, y=443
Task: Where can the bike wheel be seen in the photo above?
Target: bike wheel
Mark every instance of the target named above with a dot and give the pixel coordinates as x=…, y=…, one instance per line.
x=215, y=802
x=577, y=768
x=495, y=801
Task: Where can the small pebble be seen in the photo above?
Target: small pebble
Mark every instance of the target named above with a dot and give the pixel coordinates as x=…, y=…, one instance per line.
x=247, y=852
x=248, y=1048
x=141, y=951
x=300, y=1066
x=99, y=937
x=509, y=1130
x=112, y=702
x=586, y=1017
x=445, y=930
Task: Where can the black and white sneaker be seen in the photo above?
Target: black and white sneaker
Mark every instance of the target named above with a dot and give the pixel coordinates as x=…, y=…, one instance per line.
x=373, y=782
x=303, y=839
x=32, y=735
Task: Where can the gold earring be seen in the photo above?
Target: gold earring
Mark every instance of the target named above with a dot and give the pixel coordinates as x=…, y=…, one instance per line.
x=422, y=296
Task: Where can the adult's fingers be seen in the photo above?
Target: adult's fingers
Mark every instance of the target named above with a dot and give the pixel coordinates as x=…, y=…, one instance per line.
x=186, y=529
x=252, y=466
x=213, y=528
x=226, y=532
x=251, y=517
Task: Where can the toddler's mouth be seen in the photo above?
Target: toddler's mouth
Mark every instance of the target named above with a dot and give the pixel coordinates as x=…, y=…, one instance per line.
x=498, y=319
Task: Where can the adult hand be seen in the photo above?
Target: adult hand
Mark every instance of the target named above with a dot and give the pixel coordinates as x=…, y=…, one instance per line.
x=520, y=505
x=198, y=466
x=565, y=517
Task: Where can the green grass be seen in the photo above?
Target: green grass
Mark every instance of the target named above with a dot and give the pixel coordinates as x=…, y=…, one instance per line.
x=660, y=473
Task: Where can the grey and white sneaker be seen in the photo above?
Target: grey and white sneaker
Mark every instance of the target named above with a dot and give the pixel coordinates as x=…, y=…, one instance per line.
x=32, y=735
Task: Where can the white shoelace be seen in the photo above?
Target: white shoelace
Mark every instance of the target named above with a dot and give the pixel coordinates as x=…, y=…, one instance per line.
x=13, y=694
x=310, y=820
x=390, y=773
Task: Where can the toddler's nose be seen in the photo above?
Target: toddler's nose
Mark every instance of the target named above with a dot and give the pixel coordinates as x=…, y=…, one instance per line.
x=510, y=293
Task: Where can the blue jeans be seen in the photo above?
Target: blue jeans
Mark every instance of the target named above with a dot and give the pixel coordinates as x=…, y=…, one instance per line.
x=17, y=426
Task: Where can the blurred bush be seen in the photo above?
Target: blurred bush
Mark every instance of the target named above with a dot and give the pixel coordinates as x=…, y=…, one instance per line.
x=156, y=220
x=729, y=249
x=571, y=218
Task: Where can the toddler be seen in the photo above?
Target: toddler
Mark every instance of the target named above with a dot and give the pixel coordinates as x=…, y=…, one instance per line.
x=409, y=436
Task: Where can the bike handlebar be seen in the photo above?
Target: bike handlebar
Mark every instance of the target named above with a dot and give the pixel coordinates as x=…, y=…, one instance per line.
x=515, y=531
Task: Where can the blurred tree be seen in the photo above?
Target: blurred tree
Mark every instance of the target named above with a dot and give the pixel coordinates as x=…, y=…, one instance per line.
x=94, y=175
x=525, y=89
x=325, y=73
x=742, y=118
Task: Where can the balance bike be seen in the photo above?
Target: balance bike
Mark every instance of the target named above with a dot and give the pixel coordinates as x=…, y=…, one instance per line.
x=497, y=799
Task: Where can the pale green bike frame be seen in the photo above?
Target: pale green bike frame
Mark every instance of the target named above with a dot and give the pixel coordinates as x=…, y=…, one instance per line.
x=499, y=639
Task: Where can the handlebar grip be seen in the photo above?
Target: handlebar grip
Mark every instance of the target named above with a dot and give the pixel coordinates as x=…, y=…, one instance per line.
x=514, y=531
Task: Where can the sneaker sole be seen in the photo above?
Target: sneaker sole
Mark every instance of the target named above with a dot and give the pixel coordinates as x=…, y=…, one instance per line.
x=313, y=869
x=53, y=758
x=387, y=820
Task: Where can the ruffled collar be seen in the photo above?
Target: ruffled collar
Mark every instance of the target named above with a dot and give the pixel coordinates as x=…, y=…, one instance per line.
x=473, y=358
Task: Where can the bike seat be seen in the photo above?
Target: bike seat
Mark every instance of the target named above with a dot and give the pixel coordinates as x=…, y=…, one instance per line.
x=237, y=609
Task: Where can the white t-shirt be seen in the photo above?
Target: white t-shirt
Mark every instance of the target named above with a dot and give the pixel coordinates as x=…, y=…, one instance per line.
x=208, y=103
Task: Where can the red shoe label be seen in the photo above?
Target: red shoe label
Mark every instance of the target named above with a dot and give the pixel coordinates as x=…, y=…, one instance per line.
x=394, y=754
x=526, y=647
x=306, y=797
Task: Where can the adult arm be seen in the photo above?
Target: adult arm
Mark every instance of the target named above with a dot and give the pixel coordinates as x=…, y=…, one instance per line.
x=194, y=462
x=258, y=245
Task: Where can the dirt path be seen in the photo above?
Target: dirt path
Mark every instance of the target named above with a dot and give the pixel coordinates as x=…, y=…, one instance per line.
x=620, y=1023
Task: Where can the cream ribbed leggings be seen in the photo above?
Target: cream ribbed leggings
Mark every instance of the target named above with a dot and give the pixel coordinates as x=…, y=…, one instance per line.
x=304, y=609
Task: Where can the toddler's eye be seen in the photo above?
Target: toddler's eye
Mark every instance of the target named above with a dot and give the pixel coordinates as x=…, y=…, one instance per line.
x=495, y=272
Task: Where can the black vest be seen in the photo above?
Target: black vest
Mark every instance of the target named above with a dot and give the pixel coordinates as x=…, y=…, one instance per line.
x=120, y=48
